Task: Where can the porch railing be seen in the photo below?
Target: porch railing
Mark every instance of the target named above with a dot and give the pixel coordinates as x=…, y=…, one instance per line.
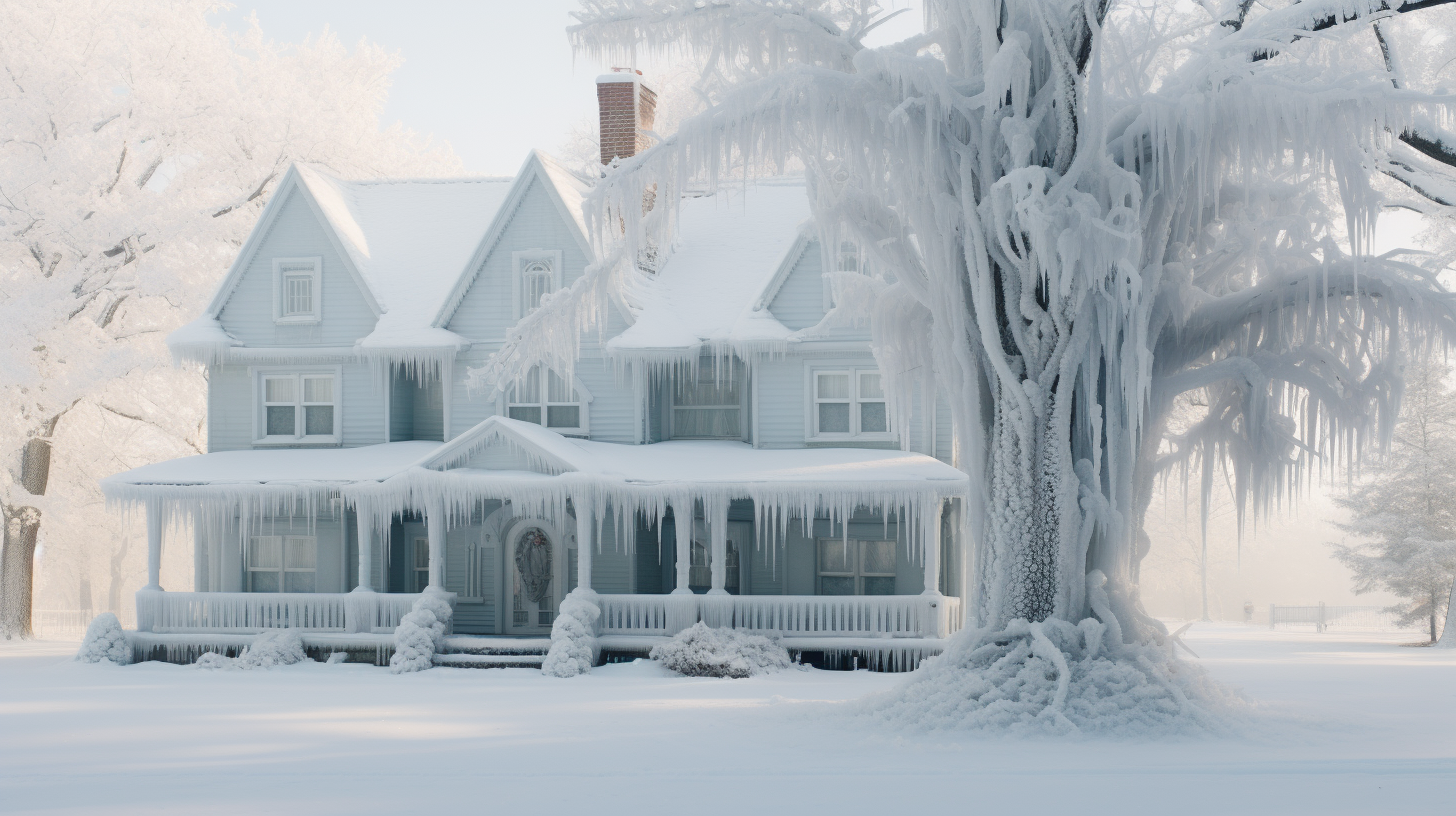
x=254, y=611
x=784, y=615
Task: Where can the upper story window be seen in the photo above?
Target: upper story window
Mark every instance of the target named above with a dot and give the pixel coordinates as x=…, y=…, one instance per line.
x=298, y=406
x=297, y=290
x=708, y=405
x=546, y=398
x=537, y=274
x=848, y=403
x=856, y=567
x=849, y=260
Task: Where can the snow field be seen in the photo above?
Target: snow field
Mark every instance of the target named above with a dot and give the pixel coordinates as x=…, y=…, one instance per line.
x=1344, y=724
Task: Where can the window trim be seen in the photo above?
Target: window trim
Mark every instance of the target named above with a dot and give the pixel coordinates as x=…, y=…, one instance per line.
x=584, y=397
x=858, y=573
x=283, y=569
x=316, y=273
x=261, y=374
x=738, y=375
x=519, y=261
x=812, y=401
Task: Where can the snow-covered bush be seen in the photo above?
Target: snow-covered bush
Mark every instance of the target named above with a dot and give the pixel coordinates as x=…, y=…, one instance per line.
x=418, y=635
x=105, y=641
x=573, y=642
x=702, y=651
x=276, y=647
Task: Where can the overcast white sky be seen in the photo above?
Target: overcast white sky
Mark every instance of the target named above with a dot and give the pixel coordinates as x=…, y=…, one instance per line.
x=494, y=78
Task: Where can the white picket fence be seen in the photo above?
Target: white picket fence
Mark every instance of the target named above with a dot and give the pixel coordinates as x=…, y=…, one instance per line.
x=70, y=624
x=1325, y=617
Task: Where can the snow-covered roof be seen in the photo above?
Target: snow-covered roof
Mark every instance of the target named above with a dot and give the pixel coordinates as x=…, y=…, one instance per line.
x=410, y=240
x=237, y=471
x=727, y=250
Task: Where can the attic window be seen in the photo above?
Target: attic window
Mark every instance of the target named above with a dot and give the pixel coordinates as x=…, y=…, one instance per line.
x=538, y=273
x=545, y=398
x=848, y=257
x=296, y=289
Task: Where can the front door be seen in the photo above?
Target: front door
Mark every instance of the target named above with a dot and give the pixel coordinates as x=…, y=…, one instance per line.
x=535, y=585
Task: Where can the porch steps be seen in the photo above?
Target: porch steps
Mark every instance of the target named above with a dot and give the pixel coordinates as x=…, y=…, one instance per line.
x=476, y=652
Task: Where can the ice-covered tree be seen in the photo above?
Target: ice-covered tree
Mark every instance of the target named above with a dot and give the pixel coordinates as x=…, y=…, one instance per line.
x=1076, y=210
x=1405, y=507
x=140, y=142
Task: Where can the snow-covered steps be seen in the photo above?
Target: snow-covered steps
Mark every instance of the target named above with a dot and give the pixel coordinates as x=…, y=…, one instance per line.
x=484, y=652
x=489, y=661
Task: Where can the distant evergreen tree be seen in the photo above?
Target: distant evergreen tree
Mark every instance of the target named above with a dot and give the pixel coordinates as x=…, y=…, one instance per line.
x=1405, y=509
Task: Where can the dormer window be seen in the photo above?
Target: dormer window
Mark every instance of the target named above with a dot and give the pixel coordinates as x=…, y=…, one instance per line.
x=538, y=273
x=544, y=397
x=296, y=289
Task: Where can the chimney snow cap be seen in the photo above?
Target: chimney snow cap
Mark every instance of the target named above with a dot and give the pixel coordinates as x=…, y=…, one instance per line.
x=621, y=75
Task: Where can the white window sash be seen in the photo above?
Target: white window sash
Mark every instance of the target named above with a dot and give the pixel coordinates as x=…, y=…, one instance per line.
x=299, y=404
x=287, y=273
x=855, y=400
x=541, y=387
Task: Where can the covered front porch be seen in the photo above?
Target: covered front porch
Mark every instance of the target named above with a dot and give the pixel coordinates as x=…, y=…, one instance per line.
x=840, y=553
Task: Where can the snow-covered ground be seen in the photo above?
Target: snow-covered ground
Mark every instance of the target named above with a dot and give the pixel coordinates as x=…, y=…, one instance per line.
x=1348, y=724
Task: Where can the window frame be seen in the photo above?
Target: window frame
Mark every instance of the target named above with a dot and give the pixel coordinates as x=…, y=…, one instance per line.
x=280, y=277
x=420, y=574
x=812, y=401
x=739, y=376
x=858, y=572
x=282, y=570
x=523, y=259
x=545, y=403
x=260, y=376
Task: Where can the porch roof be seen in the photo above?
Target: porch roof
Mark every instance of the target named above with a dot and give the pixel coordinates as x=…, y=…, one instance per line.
x=286, y=469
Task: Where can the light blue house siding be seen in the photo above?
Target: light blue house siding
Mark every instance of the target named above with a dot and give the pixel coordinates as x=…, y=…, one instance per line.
x=297, y=233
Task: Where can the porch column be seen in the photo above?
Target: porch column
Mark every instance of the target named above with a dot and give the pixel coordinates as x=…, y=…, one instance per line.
x=718, y=531
x=366, y=552
x=682, y=520
x=584, y=517
x=435, y=530
x=930, y=541
x=154, y=544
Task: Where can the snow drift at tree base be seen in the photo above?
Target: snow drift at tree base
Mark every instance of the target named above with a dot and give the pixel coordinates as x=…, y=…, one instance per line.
x=1057, y=678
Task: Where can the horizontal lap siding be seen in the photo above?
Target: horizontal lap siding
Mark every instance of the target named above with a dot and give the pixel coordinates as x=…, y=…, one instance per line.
x=296, y=233
x=799, y=303
x=232, y=404
x=486, y=311
x=780, y=403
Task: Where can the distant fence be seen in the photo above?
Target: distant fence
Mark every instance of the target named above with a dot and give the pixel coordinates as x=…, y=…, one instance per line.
x=72, y=623
x=1345, y=618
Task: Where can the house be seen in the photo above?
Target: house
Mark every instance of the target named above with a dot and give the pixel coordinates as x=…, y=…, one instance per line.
x=721, y=452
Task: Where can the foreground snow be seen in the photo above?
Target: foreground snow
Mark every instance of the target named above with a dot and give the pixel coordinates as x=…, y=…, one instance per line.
x=1347, y=724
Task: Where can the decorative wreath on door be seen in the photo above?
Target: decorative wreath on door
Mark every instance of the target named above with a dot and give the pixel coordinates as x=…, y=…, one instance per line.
x=533, y=563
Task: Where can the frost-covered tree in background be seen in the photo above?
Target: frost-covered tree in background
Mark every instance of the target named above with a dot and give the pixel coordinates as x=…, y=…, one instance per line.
x=139, y=144
x=1075, y=211
x=1405, y=508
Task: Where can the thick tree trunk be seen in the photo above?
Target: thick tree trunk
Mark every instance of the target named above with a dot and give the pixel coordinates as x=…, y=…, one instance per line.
x=22, y=529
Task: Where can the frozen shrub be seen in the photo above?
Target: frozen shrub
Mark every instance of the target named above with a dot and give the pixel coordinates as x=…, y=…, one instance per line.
x=573, y=642
x=276, y=647
x=105, y=641
x=418, y=635
x=702, y=651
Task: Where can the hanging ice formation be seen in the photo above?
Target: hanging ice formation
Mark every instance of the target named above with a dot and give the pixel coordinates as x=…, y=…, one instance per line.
x=1063, y=241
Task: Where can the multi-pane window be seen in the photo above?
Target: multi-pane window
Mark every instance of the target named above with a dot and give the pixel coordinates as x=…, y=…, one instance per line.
x=856, y=567
x=297, y=281
x=420, y=570
x=282, y=564
x=299, y=407
x=707, y=406
x=546, y=398
x=849, y=260
x=849, y=403
x=537, y=280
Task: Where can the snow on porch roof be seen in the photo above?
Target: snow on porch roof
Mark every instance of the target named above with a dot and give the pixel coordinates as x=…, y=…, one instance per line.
x=705, y=462
x=286, y=469
x=727, y=249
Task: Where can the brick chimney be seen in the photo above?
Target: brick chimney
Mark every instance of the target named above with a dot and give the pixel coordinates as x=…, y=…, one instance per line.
x=626, y=106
